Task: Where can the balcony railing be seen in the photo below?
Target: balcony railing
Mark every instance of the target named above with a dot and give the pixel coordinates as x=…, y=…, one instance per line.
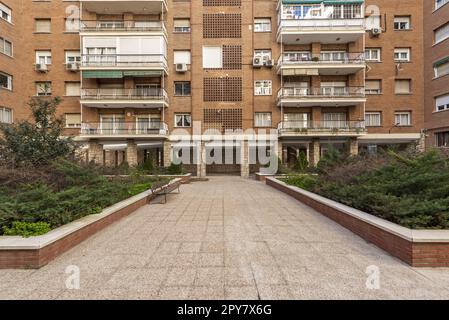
x=124, y=94
x=307, y=25
x=323, y=92
x=124, y=60
x=122, y=25
x=292, y=58
x=335, y=126
x=154, y=127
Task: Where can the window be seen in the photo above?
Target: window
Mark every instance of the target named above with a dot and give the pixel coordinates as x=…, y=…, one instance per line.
x=5, y=13
x=442, y=33
x=181, y=56
x=262, y=119
x=403, y=86
x=43, y=88
x=442, y=102
x=73, y=120
x=372, y=54
x=43, y=25
x=5, y=81
x=373, y=119
x=43, y=57
x=373, y=86
x=264, y=54
x=181, y=25
x=440, y=3
x=5, y=115
x=442, y=139
x=182, y=88
x=72, y=89
x=72, y=57
x=402, y=118
x=402, y=54
x=441, y=68
x=183, y=120
x=262, y=87
x=262, y=25
x=401, y=23
x=5, y=47
x=212, y=57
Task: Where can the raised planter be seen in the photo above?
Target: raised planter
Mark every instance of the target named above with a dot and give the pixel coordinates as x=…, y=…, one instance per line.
x=418, y=248
x=35, y=252
x=185, y=178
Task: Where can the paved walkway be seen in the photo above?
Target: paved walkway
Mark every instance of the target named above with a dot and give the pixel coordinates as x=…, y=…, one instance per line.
x=226, y=238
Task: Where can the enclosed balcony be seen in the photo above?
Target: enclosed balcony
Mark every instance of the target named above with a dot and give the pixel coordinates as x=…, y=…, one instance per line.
x=124, y=98
x=117, y=62
x=89, y=27
x=321, y=128
x=324, y=96
x=326, y=21
x=122, y=6
x=105, y=129
x=326, y=63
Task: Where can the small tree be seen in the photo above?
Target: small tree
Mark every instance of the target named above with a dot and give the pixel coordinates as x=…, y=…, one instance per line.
x=35, y=143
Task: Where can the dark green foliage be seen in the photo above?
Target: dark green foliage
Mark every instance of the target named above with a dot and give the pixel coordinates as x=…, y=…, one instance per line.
x=38, y=143
x=306, y=182
x=26, y=229
x=301, y=164
x=174, y=169
x=409, y=189
x=331, y=158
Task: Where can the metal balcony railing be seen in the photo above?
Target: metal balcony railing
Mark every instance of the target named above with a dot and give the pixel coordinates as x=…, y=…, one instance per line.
x=305, y=126
x=124, y=60
x=153, y=127
x=124, y=94
x=292, y=58
x=122, y=25
x=323, y=92
x=290, y=23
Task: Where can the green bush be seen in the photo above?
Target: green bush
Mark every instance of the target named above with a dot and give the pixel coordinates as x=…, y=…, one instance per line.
x=174, y=169
x=301, y=164
x=26, y=229
x=304, y=181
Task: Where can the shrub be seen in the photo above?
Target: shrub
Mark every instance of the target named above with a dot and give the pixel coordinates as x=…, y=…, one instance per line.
x=301, y=164
x=26, y=229
x=303, y=181
x=174, y=169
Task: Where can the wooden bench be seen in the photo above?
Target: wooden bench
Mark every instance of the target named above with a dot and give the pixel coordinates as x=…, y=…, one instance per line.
x=161, y=188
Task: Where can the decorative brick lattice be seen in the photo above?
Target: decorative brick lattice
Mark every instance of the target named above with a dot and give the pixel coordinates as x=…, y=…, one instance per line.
x=222, y=119
x=223, y=3
x=232, y=57
x=218, y=25
x=227, y=89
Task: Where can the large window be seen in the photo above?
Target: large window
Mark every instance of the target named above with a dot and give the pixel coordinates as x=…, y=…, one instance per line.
x=373, y=119
x=5, y=115
x=5, y=13
x=43, y=88
x=262, y=87
x=5, y=47
x=262, y=119
x=183, y=120
x=402, y=54
x=43, y=57
x=182, y=88
x=402, y=23
x=5, y=81
x=212, y=57
x=181, y=25
x=442, y=68
x=72, y=57
x=442, y=103
x=181, y=56
x=372, y=54
x=262, y=25
x=442, y=139
x=402, y=118
x=442, y=33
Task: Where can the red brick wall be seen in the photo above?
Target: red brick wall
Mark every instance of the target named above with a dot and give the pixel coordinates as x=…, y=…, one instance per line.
x=415, y=254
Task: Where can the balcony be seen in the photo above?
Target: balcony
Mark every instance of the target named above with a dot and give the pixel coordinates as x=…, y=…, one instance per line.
x=156, y=62
x=122, y=6
x=124, y=129
x=321, y=128
x=124, y=98
x=307, y=23
x=327, y=63
x=324, y=96
x=89, y=27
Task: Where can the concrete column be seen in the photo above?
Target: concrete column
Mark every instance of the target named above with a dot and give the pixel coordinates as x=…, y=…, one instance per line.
x=279, y=151
x=167, y=153
x=314, y=153
x=95, y=152
x=109, y=158
x=244, y=163
x=201, y=164
x=353, y=146
x=131, y=153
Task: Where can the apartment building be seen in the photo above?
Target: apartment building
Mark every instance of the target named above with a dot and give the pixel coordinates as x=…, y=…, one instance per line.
x=136, y=75
x=436, y=63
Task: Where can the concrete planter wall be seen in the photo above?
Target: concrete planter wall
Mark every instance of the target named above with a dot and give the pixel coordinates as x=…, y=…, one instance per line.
x=418, y=248
x=185, y=178
x=35, y=252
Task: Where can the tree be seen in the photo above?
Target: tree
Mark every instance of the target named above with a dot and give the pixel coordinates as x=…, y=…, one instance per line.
x=35, y=143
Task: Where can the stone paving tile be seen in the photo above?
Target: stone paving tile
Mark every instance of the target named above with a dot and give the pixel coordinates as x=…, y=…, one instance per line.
x=227, y=238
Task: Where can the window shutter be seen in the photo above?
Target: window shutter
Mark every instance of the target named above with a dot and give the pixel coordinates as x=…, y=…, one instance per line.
x=72, y=89
x=182, y=57
x=73, y=120
x=43, y=25
x=212, y=57
x=372, y=85
x=181, y=23
x=402, y=86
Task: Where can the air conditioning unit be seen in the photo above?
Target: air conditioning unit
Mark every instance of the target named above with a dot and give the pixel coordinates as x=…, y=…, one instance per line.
x=269, y=63
x=257, y=62
x=41, y=67
x=181, y=67
x=376, y=31
x=72, y=66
